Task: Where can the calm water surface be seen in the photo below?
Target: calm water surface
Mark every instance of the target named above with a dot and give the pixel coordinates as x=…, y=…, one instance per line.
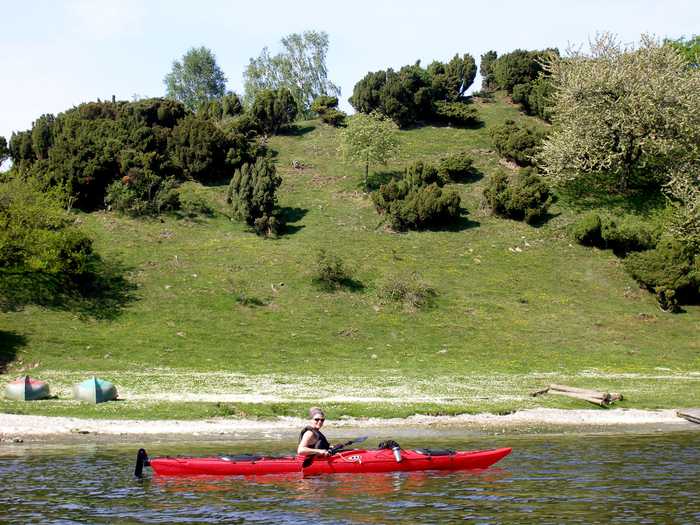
x=624, y=478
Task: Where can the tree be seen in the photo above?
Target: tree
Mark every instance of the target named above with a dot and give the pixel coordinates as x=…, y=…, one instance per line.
x=371, y=138
x=300, y=67
x=518, y=67
x=252, y=195
x=689, y=48
x=274, y=109
x=631, y=113
x=4, y=150
x=196, y=79
x=488, y=83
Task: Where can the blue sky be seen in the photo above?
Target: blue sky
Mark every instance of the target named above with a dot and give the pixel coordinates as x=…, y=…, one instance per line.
x=55, y=54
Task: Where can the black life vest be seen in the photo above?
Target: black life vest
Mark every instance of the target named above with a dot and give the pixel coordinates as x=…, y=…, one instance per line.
x=321, y=441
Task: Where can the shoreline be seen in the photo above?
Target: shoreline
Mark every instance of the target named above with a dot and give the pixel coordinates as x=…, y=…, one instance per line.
x=27, y=428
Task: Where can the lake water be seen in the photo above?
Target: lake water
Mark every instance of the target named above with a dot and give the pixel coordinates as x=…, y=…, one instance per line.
x=618, y=478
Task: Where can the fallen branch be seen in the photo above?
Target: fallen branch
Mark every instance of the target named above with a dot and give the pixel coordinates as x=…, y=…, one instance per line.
x=692, y=415
x=603, y=399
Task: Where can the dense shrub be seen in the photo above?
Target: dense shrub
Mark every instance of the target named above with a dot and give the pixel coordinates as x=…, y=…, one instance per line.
x=424, y=207
x=409, y=290
x=630, y=234
x=327, y=109
x=252, y=194
x=622, y=235
x=90, y=147
x=671, y=271
x=244, y=125
x=518, y=67
x=199, y=149
x=414, y=94
x=535, y=97
x=192, y=200
x=274, y=109
x=456, y=167
x=522, y=196
x=516, y=143
x=415, y=176
x=586, y=230
x=455, y=113
x=37, y=234
x=220, y=108
x=417, y=200
x=330, y=272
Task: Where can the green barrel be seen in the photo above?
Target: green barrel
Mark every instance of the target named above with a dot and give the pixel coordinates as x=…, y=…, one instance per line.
x=95, y=390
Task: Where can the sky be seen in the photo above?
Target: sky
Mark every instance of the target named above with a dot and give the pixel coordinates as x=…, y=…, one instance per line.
x=57, y=54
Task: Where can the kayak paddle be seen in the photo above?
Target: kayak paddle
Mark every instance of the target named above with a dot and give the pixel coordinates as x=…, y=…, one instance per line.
x=337, y=448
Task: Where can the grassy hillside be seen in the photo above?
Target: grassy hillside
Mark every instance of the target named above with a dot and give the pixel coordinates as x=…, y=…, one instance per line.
x=517, y=307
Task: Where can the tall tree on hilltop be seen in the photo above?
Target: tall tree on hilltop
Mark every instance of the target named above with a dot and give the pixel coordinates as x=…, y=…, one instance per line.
x=300, y=67
x=195, y=80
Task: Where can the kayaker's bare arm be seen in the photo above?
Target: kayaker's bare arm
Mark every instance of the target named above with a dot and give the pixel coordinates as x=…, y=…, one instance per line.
x=305, y=450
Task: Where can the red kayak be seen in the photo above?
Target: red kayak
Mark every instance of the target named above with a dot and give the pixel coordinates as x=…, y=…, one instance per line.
x=347, y=461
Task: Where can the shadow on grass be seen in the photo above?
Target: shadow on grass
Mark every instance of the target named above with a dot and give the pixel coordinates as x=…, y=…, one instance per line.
x=101, y=293
x=463, y=223
x=597, y=191
x=542, y=221
x=295, y=130
x=291, y=215
x=10, y=342
x=348, y=283
x=376, y=179
x=473, y=175
x=474, y=124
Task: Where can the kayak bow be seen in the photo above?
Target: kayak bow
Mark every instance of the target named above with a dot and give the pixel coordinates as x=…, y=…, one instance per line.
x=348, y=461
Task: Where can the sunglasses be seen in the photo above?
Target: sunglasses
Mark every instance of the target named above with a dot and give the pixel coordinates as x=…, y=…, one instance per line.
x=319, y=419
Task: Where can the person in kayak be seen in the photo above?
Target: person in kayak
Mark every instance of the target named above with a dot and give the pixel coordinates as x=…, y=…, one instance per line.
x=311, y=440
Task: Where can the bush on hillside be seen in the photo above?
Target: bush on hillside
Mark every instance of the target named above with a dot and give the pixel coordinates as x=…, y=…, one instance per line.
x=252, y=194
x=410, y=290
x=516, y=143
x=424, y=207
x=535, y=97
x=327, y=109
x=192, y=200
x=586, y=230
x=518, y=67
x=415, y=94
x=415, y=176
x=671, y=271
x=330, y=272
x=455, y=113
x=141, y=193
x=37, y=235
x=623, y=235
x=417, y=200
x=89, y=147
x=522, y=196
x=273, y=109
x=456, y=167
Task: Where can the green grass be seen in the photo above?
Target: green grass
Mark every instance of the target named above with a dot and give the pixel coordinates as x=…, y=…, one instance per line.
x=512, y=301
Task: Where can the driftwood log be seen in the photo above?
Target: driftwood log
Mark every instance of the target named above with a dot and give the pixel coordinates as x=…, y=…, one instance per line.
x=603, y=399
x=691, y=414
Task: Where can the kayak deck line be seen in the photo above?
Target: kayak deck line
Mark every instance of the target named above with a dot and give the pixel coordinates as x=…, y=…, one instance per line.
x=353, y=461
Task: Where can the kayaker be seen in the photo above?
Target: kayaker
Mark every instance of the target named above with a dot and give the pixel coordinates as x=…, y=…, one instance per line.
x=311, y=440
